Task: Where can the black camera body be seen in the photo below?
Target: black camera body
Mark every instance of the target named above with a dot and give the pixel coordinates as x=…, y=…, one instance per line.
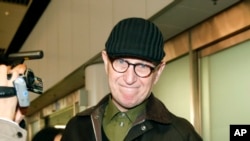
x=33, y=83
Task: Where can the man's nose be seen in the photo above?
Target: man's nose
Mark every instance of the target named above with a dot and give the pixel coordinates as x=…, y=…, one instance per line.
x=130, y=76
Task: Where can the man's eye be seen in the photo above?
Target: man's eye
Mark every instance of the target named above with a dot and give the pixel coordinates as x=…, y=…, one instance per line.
x=143, y=66
x=121, y=61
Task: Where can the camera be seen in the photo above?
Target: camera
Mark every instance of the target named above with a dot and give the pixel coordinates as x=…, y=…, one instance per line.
x=25, y=82
x=33, y=83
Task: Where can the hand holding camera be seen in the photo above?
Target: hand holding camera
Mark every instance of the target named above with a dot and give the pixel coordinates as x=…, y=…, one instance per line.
x=19, y=84
x=9, y=104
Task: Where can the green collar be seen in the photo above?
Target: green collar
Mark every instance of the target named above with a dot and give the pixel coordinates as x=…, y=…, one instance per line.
x=111, y=110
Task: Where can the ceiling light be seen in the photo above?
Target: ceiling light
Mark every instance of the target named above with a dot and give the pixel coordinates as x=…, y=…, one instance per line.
x=60, y=126
x=6, y=13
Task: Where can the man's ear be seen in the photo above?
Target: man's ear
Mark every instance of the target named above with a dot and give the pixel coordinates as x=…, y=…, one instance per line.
x=159, y=72
x=105, y=60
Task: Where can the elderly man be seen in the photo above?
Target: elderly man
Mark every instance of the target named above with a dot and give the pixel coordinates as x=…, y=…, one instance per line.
x=130, y=112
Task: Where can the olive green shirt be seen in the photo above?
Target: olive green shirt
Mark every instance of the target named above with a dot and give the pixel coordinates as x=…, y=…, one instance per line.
x=116, y=124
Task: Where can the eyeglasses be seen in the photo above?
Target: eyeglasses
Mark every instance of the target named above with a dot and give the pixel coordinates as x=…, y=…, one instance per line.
x=121, y=65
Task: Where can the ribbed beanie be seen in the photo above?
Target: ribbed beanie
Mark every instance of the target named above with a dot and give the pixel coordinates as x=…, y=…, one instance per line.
x=138, y=38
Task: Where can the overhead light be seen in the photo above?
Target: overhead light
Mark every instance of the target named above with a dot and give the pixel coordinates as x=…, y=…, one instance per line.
x=6, y=13
x=60, y=126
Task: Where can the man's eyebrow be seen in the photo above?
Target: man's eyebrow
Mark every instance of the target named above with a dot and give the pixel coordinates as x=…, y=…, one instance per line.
x=138, y=61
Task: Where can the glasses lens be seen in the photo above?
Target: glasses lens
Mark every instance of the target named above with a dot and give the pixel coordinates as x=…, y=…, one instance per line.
x=120, y=65
x=142, y=70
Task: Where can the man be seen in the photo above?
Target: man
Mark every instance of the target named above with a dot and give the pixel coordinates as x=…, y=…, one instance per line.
x=133, y=62
x=10, y=115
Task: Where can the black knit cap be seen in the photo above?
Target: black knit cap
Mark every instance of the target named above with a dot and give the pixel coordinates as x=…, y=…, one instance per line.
x=137, y=38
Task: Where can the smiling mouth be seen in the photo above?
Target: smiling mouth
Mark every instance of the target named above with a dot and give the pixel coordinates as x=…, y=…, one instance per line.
x=129, y=87
x=128, y=90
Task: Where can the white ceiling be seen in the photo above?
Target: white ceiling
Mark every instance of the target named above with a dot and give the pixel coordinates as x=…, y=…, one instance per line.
x=174, y=19
x=183, y=14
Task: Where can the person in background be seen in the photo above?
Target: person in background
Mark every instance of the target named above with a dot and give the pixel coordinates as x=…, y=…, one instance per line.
x=48, y=134
x=10, y=113
x=133, y=59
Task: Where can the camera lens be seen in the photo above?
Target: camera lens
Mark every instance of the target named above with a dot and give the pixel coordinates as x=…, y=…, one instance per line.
x=30, y=78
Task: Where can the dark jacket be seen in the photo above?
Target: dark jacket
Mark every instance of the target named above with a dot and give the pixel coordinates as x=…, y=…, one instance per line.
x=157, y=124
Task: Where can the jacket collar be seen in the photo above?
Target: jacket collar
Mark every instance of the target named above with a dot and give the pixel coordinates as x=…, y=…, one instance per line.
x=154, y=110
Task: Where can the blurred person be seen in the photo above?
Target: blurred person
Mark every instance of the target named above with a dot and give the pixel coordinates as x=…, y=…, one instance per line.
x=133, y=60
x=48, y=134
x=10, y=113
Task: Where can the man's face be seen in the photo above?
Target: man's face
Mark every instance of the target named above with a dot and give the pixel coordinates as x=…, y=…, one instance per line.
x=129, y=90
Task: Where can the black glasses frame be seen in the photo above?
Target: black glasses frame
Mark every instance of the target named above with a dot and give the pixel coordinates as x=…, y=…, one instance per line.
x=152, y=69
